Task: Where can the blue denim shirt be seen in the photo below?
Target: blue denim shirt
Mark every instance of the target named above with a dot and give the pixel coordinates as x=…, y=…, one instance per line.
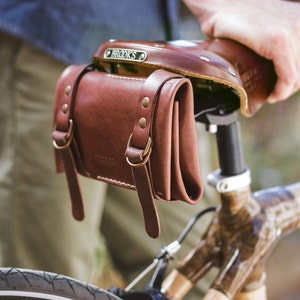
x=71, y=30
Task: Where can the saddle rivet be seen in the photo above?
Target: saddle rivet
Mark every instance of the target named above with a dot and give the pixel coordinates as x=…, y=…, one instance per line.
x=64, y=108
x=232, y=72
x=205, y=58
x=145, y=102
x=68, y=90
x=142, y=122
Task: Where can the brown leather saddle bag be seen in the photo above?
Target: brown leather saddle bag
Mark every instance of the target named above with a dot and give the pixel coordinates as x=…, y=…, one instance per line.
x=128, y=117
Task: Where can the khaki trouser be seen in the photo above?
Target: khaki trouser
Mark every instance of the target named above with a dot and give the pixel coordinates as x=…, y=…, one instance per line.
x=37, y=229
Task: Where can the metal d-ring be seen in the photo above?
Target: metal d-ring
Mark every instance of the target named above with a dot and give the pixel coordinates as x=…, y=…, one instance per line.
x=145, y=155
x=68, y=137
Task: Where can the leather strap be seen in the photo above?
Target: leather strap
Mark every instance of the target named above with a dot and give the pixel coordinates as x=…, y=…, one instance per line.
x=62, y=139
x=139, y=147
x=71, y=174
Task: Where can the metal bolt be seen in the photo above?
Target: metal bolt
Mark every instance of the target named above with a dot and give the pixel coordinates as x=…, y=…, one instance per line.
x=224, y=186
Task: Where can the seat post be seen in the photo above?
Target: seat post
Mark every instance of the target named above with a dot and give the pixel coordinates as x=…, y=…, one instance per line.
x=232, y=174
x=230, y=149
x=229, y=141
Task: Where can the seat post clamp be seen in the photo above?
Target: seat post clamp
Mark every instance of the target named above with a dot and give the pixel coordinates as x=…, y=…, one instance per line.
x=226, y=184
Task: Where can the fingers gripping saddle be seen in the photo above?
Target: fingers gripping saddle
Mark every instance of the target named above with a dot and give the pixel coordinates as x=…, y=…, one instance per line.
x=127, y=118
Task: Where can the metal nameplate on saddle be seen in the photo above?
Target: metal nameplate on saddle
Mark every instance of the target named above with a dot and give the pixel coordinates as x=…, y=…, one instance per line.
x=125, y=54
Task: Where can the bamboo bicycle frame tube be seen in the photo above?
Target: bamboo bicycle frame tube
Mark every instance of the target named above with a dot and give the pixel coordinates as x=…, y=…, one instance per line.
x=240, y=238
x=259, y=294
x=225, y=246
x=185, y=285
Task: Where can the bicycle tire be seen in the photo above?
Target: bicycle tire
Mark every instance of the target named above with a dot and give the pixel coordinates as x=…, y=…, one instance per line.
x=28, y=284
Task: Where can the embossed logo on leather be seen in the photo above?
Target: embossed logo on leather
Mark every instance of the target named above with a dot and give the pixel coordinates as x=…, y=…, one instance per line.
x=125, y=54
x=104, y=160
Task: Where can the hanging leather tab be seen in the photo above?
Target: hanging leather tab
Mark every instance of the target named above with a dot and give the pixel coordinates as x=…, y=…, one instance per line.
x=139, y=147
x=62, y=138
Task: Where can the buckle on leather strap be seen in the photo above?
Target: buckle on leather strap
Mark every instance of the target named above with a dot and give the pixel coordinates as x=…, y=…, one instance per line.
x=145, y=155
x=68, y=137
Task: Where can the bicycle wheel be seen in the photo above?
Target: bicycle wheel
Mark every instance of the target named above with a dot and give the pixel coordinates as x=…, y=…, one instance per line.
x=29, y=284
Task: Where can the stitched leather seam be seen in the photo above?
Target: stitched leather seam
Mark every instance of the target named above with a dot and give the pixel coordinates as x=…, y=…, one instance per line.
x=124, y=77
x=109, y=180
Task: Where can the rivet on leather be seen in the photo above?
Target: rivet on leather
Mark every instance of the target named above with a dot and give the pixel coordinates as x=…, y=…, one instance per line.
x=64, y=108
x=142, y=122
x=68, y=90
x=145, y=102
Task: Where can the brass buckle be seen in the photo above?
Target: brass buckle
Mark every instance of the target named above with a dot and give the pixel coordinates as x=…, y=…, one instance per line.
x=68, y=137
x=146, y=153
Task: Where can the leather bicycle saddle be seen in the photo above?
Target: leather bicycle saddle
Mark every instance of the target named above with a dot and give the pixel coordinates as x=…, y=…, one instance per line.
x=217, y=68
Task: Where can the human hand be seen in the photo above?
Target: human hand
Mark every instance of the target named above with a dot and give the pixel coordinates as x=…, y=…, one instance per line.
x=269, y=27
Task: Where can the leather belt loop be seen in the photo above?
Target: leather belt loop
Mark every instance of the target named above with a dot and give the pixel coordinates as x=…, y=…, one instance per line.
x=139, y=140
x=138, y=149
